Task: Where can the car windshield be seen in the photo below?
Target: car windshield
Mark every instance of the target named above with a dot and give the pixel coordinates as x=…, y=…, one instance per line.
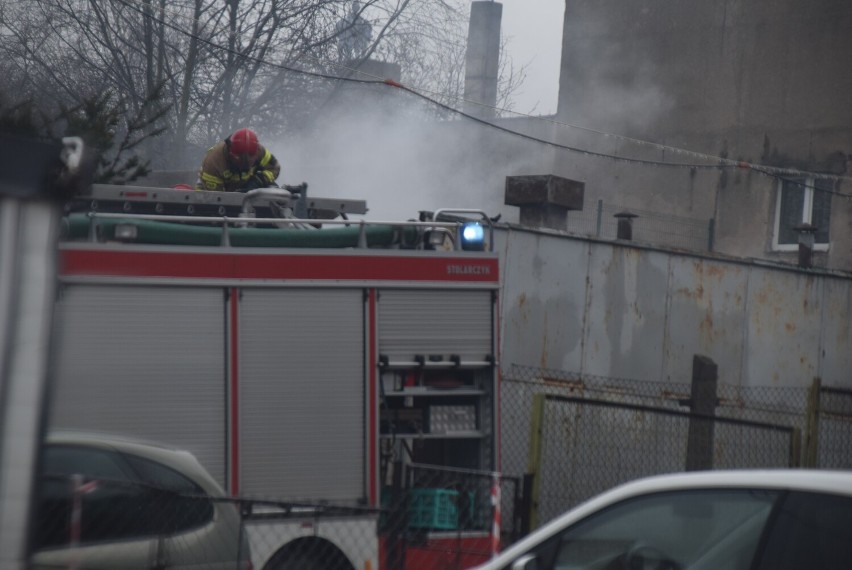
x=692, y=529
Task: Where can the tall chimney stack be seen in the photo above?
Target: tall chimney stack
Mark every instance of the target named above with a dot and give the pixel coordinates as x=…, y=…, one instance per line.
x=482, y=58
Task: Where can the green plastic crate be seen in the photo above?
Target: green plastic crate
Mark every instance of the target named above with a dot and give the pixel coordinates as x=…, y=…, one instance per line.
x=435, y=509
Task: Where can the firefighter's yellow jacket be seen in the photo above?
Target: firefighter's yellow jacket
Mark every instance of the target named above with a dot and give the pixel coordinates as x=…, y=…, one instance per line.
x=218, y=173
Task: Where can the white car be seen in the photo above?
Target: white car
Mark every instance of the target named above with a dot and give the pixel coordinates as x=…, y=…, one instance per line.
x=714, y=520
x=109, y=503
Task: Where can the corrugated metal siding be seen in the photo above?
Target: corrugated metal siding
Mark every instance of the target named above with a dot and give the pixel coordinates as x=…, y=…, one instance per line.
x=837, y=331
x=302, y=393
x=428, y=322
x=627, y=296
x=784, y=317
x=622, y=311
x=145, y=362
x=544, y=296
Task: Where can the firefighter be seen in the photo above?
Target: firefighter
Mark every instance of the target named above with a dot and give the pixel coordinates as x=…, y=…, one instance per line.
x=238, y=164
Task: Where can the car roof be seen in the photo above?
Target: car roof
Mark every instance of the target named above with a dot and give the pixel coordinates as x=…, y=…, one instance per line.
x=829, y=481
x=810, y=480
x=109, y=441
x=183, y=461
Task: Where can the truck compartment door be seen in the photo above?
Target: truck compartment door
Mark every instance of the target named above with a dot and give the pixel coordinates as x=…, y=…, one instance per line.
x=301, y=354
x=145, y=362
x=435, y=322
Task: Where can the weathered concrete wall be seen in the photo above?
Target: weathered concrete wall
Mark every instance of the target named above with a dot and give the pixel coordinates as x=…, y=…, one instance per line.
x=626, y=311
x=748, y=80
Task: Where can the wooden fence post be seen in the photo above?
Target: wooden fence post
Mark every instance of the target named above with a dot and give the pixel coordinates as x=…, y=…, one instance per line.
x=699, y=447
x=534, y=464
x=796, y=447
x=811, y=444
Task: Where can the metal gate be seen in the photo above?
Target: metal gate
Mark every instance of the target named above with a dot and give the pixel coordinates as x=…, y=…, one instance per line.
x=581, y=447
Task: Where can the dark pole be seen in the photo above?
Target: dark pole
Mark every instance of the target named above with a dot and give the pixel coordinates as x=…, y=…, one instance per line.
x=699, y=447
x=807, y=235
x=625, y=225
x=35, y=177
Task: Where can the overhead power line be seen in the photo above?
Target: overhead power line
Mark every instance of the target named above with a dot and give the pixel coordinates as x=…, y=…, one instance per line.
x=716, y=162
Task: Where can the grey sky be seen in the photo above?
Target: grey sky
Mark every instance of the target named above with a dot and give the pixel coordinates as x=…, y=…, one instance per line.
x=534, y=29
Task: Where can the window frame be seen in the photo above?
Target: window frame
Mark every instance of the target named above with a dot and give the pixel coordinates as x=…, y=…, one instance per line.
x=808, y=185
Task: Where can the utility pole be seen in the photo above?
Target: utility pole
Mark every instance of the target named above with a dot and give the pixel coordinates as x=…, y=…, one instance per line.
x=35, y=177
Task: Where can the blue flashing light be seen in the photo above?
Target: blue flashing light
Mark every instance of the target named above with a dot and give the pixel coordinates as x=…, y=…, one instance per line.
x=473, y=236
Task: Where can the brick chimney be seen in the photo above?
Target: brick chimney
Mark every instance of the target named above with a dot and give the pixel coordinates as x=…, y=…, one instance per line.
x=544, y=199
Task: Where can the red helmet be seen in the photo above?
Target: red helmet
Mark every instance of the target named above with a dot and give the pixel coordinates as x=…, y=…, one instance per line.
x=243, y=144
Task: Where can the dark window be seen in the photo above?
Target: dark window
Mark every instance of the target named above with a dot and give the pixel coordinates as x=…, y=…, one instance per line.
x=108, y=508
x=69, y=460
x=812, y=531
x=700, y=529
x=182, y=504
x=803, y=200
x=130, y=498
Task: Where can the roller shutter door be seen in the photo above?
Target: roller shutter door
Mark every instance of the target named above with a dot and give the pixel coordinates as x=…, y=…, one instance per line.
x=302, y=393
x=435, y=322
x=144, y=362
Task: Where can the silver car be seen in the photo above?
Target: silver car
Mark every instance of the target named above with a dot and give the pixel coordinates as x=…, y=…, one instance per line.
x=111, y=503
x=736, y=520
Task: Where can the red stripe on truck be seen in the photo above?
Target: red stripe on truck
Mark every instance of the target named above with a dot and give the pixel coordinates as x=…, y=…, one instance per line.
x=83, y=262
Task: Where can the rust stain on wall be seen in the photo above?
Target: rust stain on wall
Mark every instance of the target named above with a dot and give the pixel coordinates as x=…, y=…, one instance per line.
x=522, y=308
x=719, y=272
x=697, y=293
x=706, y=327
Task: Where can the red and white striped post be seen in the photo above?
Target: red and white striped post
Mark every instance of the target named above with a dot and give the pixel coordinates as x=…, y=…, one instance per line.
x=495, y=526
x=78, y=489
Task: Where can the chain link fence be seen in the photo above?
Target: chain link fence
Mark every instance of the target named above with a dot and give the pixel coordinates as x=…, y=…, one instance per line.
x=103, y=523
x=586, y=446
x=833, y=424
x=433, y=518
x=581, y=434
x=445, y=518
x=565, y=437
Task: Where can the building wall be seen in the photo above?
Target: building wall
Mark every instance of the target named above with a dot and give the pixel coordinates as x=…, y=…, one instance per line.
x=754, y=80
x=621, y=310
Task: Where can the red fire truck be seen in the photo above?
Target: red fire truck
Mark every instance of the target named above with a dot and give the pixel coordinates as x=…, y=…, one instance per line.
x=307, y=359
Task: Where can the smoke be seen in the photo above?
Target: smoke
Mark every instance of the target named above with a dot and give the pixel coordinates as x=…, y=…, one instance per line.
x=611, y=76
x=387, y=148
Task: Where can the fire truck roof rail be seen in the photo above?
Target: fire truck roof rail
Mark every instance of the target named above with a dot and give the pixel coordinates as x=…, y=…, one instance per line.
x=264, y=217
x=224, y=231
x=150, y=200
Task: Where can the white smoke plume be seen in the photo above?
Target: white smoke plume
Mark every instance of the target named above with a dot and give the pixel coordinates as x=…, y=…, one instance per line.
x=383, y=146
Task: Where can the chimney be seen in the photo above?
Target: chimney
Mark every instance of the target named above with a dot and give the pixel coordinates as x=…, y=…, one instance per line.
x=807, y=237
x=544, y=199
x=482, y=58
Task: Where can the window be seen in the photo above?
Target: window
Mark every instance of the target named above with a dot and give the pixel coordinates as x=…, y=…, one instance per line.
x=134, y=498
x=110, y=510
x=695, y=529
x=811, y=531
x=802, y=200
x=178, y=504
